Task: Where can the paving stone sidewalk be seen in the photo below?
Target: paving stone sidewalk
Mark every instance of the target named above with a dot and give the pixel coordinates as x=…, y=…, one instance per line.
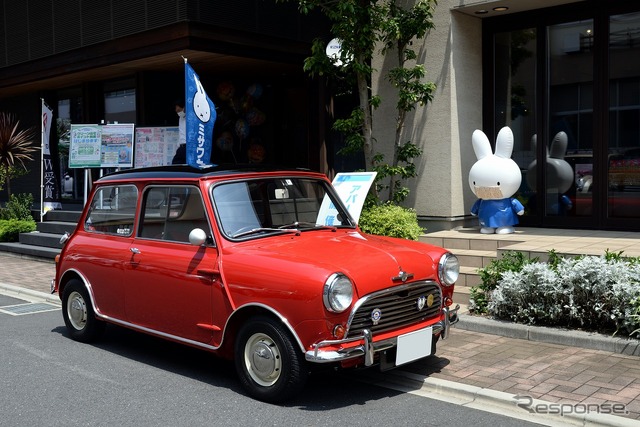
x=551, y=372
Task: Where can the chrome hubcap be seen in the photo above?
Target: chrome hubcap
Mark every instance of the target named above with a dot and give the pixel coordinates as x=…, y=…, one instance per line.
x=262, y=359
x=77, y=311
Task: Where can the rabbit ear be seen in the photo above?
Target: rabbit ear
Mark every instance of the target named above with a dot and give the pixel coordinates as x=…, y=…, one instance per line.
x=534, y=144
x=481, y=144
x=504, y=143
x=559, y=145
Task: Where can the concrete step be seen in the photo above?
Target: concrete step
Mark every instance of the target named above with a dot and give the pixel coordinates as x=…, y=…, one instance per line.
x=55, y=227
x=36, y=238
x=468, y=277
x=468, y=241
x=461, y=295
x=474, y=258
x=29, y=250
x=45, y=241
x=63, y=216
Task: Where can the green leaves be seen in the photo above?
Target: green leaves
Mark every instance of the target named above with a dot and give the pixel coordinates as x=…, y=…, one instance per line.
x=18, y=207
x=390, y=220
x=16, y=146
x=364, y=28
x=403, y=168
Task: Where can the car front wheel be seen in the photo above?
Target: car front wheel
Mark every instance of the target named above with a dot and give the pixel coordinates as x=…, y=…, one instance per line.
x=269, y=364
x=78, y=313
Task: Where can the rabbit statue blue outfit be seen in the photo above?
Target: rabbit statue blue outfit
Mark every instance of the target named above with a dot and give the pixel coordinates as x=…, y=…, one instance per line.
x=494, y=178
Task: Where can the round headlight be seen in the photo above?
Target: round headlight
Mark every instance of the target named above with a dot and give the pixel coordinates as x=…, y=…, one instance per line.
x=337, y=293
x=448, y=269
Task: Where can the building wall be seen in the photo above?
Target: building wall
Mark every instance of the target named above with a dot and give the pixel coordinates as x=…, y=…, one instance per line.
x=452, y=56
x=40, y=28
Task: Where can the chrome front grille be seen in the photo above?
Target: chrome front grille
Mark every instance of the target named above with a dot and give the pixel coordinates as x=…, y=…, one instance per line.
x=397, y=307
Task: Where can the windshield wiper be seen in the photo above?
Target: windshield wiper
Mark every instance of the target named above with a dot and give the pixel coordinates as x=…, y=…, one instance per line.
x=263, y=229
x=311, y=225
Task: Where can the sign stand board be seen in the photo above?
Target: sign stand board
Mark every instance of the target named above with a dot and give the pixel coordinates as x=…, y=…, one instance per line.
x=100, y=146
x=352, y=187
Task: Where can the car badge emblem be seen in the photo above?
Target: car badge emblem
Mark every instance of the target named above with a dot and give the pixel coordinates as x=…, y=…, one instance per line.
x=376, y=314
x=403, y=275
x=425, y=301
x=430, y=299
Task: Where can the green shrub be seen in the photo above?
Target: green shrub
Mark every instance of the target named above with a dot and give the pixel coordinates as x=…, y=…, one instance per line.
x=390, y=220
x=635, y=317
x=18, y=207
x=589, y=292
x=10, y=229
x=491, y=276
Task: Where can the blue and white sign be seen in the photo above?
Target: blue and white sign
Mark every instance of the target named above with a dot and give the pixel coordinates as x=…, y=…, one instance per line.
x=200, y=117
x=352, y=187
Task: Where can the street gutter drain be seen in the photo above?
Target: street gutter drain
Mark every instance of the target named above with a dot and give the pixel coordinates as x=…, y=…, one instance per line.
x=30, y=308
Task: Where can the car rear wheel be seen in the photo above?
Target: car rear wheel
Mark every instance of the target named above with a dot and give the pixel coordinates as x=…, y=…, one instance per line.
x=78, y=313
x=269, y=364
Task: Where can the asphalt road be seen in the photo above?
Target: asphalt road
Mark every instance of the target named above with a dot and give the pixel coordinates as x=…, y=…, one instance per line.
x=132, y=379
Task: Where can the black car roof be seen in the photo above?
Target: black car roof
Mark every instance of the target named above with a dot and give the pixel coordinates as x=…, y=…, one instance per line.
x=186, y=171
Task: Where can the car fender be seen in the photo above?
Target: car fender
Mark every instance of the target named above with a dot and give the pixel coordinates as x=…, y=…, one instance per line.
x=250, y=309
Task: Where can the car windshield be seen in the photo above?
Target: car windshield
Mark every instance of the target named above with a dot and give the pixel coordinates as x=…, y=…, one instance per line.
x=261, y=207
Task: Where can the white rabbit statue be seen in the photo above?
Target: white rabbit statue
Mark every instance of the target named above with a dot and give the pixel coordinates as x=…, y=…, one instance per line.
x=559, y=173
x=494, y=178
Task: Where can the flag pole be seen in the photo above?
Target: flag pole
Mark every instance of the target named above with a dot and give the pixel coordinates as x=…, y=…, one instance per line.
x=42, y=103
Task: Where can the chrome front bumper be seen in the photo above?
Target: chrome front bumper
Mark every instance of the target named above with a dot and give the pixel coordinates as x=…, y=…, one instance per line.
x=369, y=348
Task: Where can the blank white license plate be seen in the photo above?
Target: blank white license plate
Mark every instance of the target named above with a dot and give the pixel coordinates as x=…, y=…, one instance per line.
x=413, y=346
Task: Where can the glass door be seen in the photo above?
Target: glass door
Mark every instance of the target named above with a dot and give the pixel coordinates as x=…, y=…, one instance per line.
x=515, y=104
x=623, y=162
x=568, y=187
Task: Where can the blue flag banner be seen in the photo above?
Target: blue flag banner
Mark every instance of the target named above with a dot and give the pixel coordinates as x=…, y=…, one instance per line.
x=200, y=117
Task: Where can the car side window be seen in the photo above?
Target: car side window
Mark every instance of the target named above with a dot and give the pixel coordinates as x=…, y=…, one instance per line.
x=112, y=210
x=172, y=212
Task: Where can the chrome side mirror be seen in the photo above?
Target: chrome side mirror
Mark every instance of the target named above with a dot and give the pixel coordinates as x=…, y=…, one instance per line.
x=197, y=237
x=64, y=238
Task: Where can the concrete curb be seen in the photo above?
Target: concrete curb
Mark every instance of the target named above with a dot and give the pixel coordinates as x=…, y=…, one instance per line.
x=589, y=340
x=31, y=295
x=520, y=407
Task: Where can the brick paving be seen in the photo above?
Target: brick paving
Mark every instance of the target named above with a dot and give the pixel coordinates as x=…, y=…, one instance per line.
x=29, y=273
x=549, y=372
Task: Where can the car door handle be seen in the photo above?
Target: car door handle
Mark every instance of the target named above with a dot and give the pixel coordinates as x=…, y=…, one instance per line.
x=135, y=251
x=211, y=275
x=207, y=272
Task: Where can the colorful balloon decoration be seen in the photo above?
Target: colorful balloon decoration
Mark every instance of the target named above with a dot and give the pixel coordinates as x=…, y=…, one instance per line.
x=225, y=141
x=254, y=91
x=242, y=129
x=225, y=91
x=246, y=103
x=256, y=153
x=238, y=121
x=255, y=117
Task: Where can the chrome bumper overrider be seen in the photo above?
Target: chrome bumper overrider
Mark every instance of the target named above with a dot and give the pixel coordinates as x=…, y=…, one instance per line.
x=369, y=348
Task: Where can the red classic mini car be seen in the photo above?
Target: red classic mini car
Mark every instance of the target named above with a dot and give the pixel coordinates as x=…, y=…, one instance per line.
x=264, y=267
